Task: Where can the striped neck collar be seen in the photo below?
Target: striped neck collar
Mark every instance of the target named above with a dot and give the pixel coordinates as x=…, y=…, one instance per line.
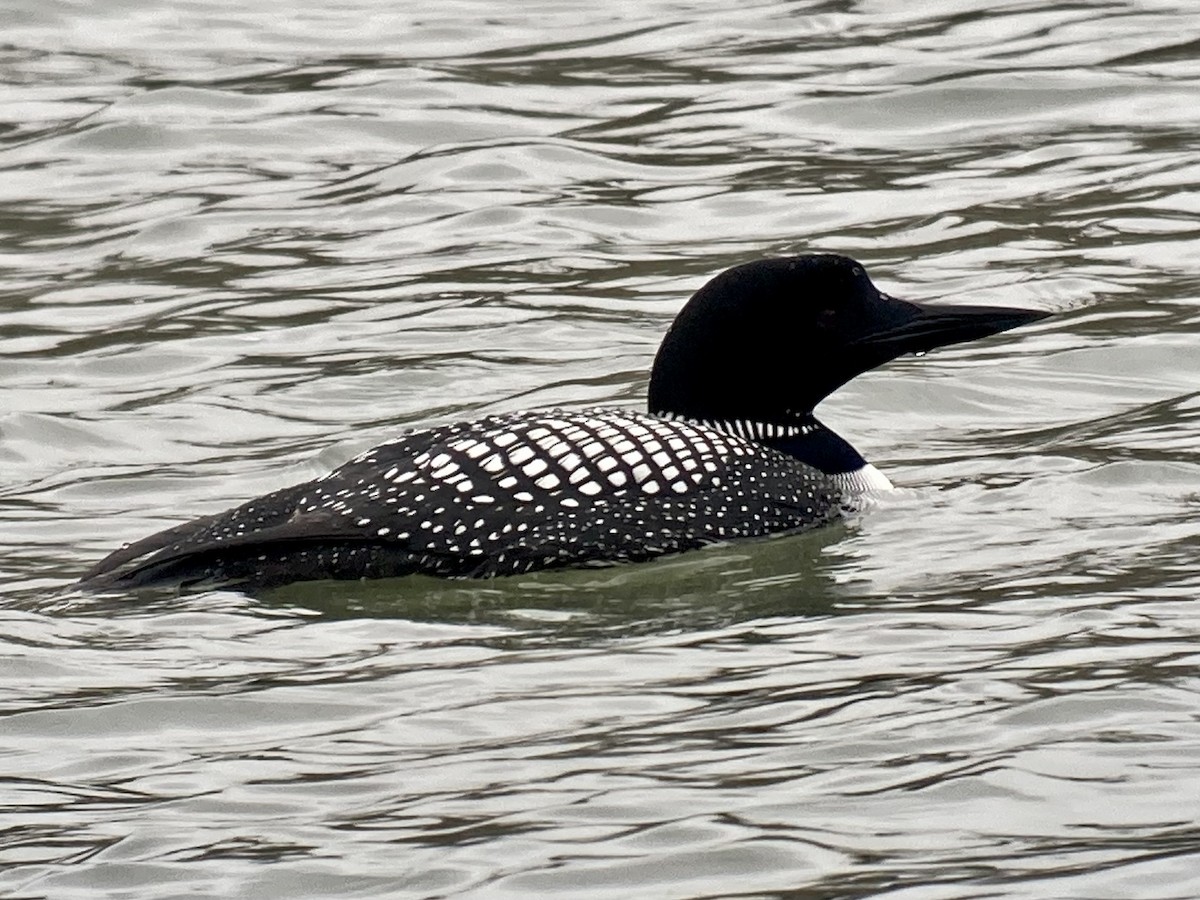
x=805, y=439
x=751, y=430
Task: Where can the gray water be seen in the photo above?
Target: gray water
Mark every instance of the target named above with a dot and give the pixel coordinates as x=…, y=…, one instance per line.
x=241, y=242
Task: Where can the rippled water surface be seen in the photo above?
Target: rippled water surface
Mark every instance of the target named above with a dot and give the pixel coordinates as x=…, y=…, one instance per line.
x=241, y=242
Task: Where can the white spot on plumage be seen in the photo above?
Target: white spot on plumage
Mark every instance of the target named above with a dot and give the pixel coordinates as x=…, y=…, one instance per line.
x=548, y=482
x=535, y=468
x=520, y=455
x=590, y=488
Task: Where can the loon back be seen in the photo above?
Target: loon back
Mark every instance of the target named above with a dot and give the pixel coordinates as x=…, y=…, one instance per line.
x=731, y=449
x=497, y=496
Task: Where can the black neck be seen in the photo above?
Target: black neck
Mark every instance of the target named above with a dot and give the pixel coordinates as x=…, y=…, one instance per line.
x=821, y=448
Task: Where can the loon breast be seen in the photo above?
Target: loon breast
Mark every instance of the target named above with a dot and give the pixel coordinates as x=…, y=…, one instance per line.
x=502, y=495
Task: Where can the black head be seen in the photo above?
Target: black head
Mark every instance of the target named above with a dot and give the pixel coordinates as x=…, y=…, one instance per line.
x=768, y=340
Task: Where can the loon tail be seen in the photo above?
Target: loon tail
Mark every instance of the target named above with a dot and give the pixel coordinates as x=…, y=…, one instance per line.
x=215, y=551
x=117, y=568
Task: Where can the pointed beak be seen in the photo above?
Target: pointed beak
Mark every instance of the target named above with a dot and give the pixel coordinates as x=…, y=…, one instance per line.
x=917, y=327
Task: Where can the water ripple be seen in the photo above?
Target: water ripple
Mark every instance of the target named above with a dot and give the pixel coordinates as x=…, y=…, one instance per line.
x=238, y=247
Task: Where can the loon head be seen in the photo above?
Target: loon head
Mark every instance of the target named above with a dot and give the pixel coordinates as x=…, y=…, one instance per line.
x=768, y=340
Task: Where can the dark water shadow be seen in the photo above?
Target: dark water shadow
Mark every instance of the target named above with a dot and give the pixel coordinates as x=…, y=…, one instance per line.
x=785, y=576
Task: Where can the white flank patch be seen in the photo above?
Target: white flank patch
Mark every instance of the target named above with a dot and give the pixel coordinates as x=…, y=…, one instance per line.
x=864, y=480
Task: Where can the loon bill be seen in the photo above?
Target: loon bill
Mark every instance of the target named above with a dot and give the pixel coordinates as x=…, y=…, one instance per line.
x=730, y=448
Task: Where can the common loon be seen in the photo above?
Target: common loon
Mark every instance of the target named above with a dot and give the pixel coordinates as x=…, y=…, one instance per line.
x=729, y=449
